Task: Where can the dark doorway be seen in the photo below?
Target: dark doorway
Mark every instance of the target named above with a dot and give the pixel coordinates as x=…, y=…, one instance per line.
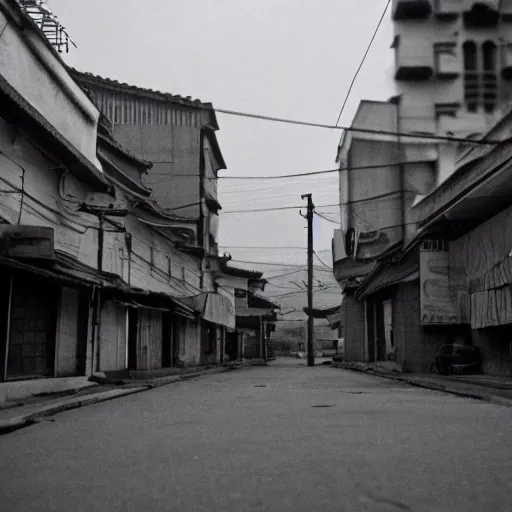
x=133, y=324
x=33, y=321
x=232, y=345
x=167, y=341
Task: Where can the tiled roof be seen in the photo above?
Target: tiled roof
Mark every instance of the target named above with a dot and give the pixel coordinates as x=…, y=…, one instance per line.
x=165, y=96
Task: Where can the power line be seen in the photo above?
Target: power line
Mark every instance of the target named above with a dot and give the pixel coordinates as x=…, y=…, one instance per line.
x=275, y=264
x=327, y=218
x=259, y=247
x=295, y=175
x=322, y=262
x=357, y=130
x=362, y=61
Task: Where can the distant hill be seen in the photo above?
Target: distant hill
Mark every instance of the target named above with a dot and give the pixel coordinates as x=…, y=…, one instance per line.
x=287, y=286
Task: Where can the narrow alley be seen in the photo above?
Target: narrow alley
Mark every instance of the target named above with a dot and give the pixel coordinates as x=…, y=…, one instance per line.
x=285, y=437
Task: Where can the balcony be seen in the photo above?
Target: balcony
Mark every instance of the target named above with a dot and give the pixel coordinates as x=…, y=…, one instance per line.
x=411, y=9
x=448, y=10
x=481, y=14
x=448, y=63
x=506, y=67
x=506, y=10
x=413, y=62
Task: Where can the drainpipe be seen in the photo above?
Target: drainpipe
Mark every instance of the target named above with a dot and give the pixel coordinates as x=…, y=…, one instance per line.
x=97, y=305
x=128, y=243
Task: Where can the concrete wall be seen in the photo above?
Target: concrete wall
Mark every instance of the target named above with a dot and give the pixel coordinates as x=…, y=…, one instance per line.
x=417, y=39
x=45, y=202
x=416, y=346
x=164, y=133
x=355, y=322
x=26, y=61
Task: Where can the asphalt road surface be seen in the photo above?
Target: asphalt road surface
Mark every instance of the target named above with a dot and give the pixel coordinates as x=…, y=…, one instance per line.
x=279, y=438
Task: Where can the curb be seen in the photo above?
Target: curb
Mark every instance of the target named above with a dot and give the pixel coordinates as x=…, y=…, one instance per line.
x=19, y=422
x=475, y=395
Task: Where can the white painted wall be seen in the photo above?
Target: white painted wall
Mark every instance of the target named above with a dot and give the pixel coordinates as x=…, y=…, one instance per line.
x=25, y=60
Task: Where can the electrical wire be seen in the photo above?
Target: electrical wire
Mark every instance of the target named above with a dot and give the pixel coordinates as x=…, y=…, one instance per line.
x=322, y=262
x=296, y=175
x=354, y=129
x=363, y=200
x=362, y=61
x=322, y=216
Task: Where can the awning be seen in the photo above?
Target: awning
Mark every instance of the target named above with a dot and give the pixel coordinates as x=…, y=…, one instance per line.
x=216, y=308
x=65, y=270
x=140, y=298
x=350, y=268
x=246, y=311
x=389, y=274
x=335, y=319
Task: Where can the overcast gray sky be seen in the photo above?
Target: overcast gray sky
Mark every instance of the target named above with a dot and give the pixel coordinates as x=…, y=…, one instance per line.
x=287, y=58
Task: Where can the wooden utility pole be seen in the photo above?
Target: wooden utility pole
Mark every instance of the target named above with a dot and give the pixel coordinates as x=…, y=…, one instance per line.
x=311, y=325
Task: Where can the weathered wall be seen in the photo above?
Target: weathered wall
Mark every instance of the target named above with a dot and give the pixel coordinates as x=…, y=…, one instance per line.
x=481, y=272
x=416, y=44
x=415, y=346
x=45, y=202
x=167, y=135
x=156, y=265
x=56, y=96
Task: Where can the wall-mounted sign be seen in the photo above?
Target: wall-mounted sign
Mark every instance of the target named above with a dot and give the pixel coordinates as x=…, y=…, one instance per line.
x=437, y=306
x=27, y=242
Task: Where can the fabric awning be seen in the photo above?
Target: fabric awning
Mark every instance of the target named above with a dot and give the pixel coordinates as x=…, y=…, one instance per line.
x=216, y=308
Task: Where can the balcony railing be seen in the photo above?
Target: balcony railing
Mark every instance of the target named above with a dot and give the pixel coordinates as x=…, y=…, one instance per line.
x=411, y=9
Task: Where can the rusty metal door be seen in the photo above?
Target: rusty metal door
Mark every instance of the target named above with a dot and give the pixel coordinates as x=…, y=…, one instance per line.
x=33, y=322
x=149, y=339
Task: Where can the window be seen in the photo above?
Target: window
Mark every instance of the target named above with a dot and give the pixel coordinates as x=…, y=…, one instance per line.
x=480, y=76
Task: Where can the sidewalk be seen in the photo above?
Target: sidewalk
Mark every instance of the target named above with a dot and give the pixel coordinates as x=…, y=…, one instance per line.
x=19, y=414
x=496, y=390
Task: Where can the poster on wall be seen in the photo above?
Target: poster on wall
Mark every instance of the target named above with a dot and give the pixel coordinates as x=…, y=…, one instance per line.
x=436, y=302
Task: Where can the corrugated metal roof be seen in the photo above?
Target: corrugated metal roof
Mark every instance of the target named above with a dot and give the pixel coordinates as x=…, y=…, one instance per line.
x=387, y=274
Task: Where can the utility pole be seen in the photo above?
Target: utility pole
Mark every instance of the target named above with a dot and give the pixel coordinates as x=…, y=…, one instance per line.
x=311, y=325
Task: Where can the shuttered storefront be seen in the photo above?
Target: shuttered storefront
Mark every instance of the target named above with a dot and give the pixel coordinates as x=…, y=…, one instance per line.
x=32, y=326
x=149, y=339
x=113, y=338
